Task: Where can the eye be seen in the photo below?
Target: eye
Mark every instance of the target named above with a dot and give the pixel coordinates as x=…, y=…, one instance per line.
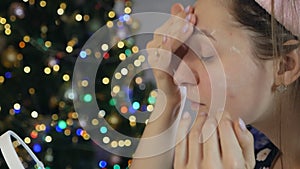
x=206, y=58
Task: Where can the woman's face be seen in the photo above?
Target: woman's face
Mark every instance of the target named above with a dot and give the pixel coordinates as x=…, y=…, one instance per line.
x=248, y=80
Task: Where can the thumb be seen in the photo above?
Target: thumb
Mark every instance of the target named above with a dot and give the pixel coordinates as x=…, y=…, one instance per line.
x=246, y=142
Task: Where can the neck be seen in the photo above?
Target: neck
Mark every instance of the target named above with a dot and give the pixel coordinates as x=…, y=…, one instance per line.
x=282, y=128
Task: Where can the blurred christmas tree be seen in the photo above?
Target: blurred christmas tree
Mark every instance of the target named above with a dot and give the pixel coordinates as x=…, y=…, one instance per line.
x=39, y=43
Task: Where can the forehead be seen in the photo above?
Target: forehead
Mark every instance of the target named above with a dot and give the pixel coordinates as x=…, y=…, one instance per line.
x=213, y=15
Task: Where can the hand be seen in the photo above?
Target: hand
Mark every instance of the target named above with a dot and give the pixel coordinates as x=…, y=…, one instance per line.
x=164, y=44
x=230, y=145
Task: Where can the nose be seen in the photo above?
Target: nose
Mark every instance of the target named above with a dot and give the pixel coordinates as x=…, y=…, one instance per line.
x=186, y=74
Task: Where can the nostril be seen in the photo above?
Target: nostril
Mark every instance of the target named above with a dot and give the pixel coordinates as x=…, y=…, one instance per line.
x=188, y=77
x=176, y=78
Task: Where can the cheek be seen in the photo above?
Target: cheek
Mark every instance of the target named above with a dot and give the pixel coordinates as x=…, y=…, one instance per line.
x=248, y=92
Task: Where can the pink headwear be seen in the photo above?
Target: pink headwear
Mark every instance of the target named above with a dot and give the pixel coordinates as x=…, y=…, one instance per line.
x=287, y=12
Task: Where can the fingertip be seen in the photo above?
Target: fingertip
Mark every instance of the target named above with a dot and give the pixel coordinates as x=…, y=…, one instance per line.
x=242, y=124
x=239, y=126
x=193, y=19
x=176, y=8
x=242, y=132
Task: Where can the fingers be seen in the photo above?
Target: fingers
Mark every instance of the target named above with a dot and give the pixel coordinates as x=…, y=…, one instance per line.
x=167, y=40
x=182, y=27
x=188, y=151
x=232, y=155
x=194, y=144
x=228, y=145
x=246, y=142
x=173, y=33
x=176, y=8
x=181, y=150
x=211, y=147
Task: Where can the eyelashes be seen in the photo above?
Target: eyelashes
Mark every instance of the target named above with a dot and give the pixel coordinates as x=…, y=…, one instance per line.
x=206, y=58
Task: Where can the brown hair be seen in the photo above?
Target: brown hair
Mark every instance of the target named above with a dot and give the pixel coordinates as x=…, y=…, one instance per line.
x=268, y=35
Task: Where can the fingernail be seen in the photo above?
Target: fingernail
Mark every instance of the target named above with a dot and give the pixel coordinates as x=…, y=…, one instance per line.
x=187, y=9
x=186, y=115
x=242, y=124
x=165, y=38
x=185, y=28
x=188, y=18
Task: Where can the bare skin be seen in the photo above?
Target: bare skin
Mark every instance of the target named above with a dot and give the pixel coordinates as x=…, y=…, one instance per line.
x=249, y=97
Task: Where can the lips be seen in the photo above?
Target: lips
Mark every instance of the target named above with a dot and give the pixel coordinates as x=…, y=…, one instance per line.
x=193, y=98
x=196, y=105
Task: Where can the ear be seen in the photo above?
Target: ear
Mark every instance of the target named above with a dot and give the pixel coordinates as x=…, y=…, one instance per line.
x=289, y=66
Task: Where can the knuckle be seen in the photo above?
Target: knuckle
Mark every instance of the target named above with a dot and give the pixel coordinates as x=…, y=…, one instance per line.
x=234, y=164
x=193, y=166
x=195, y=132
x=150, y=44
x=225, y=122
x=207, y=164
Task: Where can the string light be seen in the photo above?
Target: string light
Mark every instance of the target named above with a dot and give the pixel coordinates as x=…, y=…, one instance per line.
x=106, y=140
x=43, y=3
x=127, y=10
x=104, y=47
x=47, y=70
x=121, y=44
x=27, y=140
x=2, y=20
x=135, y=49
x=34, y=114
x=86, y=18
x=111, y=14
x=114, y=144
x=63, y=5
x=66, y=77
x=116, y=89
x=137, y=63
x=87, y=98
x=56, y=68
x=118, y=75
x=27, y=69
x=95, y=122
x=65, y=126
x=124, y=71
x=31, y=91
x=48, y=44
x=84, y=83
x=60, y=11
x=2, y=79
x=48, y=139
x=122, y=56
x=101, y=113
x=105, y=80
x=109, y=24
x=22, y=44
x=78, y=17
x=69, y=49
x=26, y=38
